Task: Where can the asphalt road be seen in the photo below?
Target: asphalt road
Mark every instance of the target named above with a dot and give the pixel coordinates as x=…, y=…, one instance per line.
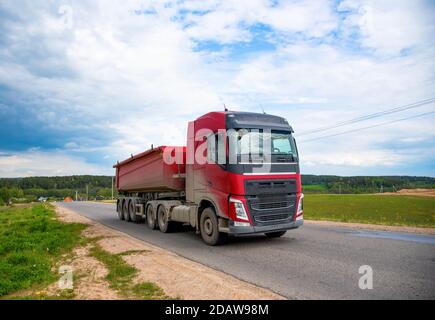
x=312, y=262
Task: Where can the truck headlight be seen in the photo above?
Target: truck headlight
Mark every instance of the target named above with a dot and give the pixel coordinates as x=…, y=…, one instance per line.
x=300, y=210
x=239, y=209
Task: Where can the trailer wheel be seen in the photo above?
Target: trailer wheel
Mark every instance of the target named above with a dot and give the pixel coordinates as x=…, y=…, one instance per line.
x=139, y=218
x=275, y=234
x=132, y=211
x=119, y=210
x=165, y=225
x=209, y=228
x=151, y=222
x=125, y=210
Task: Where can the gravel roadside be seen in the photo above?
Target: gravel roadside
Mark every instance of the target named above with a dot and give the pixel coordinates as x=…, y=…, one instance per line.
x=177, y=276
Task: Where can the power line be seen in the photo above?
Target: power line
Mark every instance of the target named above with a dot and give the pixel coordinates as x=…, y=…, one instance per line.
x=370, y=116
x=368, y=127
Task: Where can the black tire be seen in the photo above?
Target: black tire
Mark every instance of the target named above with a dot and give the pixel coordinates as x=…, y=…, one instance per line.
x=209, y=228
x=132, y=211
x=275, y=234
x=151, y=221
x=119, y=210
x=139, y=218
x=125, y=210
x=165, y=225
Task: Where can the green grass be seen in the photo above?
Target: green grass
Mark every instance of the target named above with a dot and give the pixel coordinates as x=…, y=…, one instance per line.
x=374, y=209
x=148, y=291
x=120, y=273
x=121, y=276
x=66, y=294
x=315, y=188
x=31, y=242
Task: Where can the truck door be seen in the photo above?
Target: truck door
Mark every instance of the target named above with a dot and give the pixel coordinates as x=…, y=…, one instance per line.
x=199, y=176
x=215, y=174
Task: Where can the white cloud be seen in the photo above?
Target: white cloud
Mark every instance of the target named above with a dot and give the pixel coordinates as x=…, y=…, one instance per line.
x=36, y=163
x=227, y=21
x=390, y=26
x=132, y=69
x=356, y=159
x=323, y=72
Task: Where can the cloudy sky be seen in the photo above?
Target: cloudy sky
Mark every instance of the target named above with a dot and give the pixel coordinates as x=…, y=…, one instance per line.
x=86, y=83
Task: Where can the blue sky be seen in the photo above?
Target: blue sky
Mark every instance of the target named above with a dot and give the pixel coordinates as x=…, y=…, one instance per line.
x=84, y=84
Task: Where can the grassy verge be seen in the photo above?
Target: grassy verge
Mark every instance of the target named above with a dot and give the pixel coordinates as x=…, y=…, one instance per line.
x=121, y=276
x=374, y=209
x=31, y=242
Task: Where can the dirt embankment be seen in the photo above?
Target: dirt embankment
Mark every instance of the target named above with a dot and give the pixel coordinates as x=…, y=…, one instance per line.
x=177, y=276
x=413, y=192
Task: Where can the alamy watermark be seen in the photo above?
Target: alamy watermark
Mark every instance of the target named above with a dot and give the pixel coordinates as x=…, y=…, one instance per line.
x=67, y=16
x=366, y=280
x=66, y=277
x=242, y=146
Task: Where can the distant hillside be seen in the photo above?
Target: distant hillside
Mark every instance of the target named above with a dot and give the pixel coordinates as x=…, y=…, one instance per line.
x=364, y=184
x=68, y=182
x=30, y=189
x=60, y=187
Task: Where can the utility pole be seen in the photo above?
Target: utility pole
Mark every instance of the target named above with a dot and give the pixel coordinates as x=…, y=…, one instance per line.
x=112, y=186
x=87, y=193
x=76, y=195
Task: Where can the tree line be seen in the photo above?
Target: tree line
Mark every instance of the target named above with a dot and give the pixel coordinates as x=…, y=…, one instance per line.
x=87, y=186
x=363, y=184
x=55, y=188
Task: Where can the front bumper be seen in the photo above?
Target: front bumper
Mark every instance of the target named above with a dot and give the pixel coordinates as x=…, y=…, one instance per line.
x=241, y=230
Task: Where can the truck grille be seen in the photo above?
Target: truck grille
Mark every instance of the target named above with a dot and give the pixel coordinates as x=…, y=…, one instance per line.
x=272, y=205
x=275, y=187
x=281, y=217
x=271, y=210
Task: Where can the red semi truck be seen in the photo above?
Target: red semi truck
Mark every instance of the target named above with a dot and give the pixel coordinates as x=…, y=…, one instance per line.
x=238, y=175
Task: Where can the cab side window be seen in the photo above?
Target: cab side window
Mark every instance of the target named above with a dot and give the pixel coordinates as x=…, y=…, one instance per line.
x=211, y=148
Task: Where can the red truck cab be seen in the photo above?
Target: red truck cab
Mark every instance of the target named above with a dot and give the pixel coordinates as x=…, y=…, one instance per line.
x=248, y=195
x=239, y=174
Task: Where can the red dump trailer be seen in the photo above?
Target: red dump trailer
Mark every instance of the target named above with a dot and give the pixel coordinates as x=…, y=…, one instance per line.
x=147, y=172
x=234, y=192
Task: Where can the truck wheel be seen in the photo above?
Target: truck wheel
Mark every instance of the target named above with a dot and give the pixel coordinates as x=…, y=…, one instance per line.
x=119, y=210
x=209, y=228
x=139, y=218
x=151, y=222
x=276, y=234
x=125, y=210
x=165, y=225
x=132, y=211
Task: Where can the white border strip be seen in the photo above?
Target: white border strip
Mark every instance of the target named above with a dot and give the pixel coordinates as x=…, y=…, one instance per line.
x=267, y=173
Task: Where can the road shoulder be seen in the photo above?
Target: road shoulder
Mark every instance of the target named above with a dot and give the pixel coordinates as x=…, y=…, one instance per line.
x=177, y=276
x=364, y=226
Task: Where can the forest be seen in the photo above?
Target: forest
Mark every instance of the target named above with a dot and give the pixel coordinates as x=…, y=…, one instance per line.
x=100, y=187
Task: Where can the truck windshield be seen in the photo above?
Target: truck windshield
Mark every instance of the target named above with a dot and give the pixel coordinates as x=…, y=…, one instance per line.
x=255, y=142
